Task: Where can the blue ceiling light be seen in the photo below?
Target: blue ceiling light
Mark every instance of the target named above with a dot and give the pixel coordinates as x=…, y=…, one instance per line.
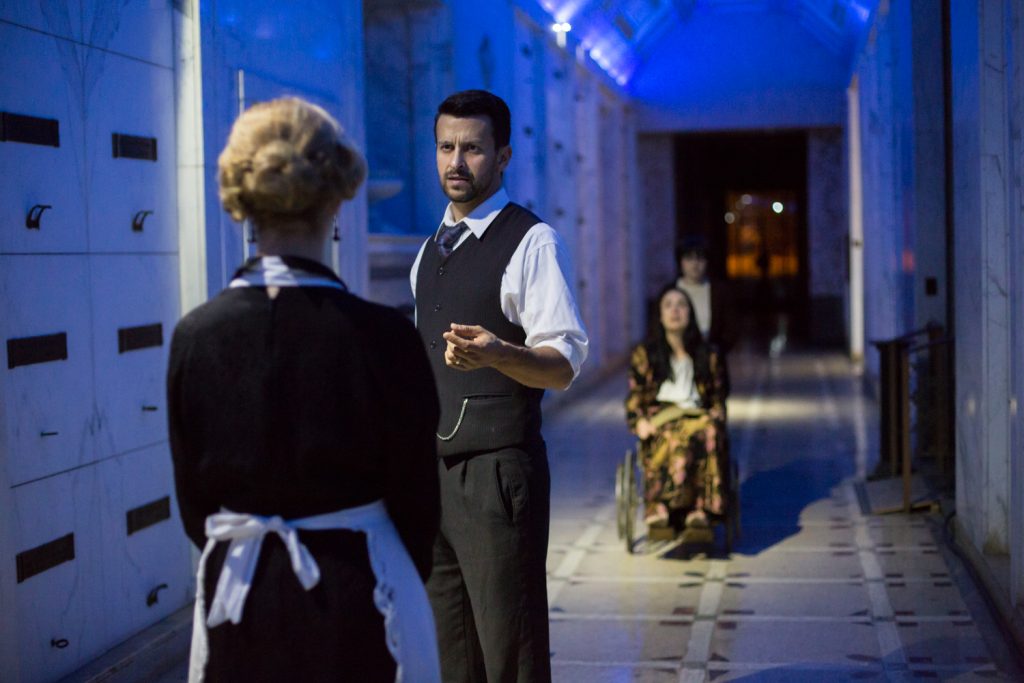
x=609, y=32
x=561, y=29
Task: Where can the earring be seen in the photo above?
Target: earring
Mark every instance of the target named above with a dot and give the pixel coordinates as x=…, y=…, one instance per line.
x=337, y=237
x=252, y=232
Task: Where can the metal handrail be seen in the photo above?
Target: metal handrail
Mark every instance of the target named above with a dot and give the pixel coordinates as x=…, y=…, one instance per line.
x=929, y=344
x=906, y=336
x=896, y=418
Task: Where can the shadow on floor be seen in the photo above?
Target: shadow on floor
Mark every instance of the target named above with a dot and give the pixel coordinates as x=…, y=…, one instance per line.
x=771, y=505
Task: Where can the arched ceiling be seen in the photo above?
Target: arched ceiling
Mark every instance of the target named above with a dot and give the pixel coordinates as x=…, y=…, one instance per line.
x=627, y=33
x=678, y=56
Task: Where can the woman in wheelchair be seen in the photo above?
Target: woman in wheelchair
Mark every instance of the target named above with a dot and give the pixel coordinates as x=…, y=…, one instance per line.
x=676, y=407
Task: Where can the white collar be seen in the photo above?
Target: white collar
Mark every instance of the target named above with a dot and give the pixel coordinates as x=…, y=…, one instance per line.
x=272, y=271
x=482, y=216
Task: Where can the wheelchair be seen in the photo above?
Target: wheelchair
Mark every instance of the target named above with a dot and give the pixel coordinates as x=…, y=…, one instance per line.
x=629, y=482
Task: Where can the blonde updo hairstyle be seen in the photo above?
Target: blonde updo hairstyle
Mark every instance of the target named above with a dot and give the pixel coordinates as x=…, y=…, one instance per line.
x=287, y=161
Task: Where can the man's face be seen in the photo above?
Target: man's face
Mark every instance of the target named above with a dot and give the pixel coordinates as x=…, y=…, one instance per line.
x=469, y=165
x=694, y=266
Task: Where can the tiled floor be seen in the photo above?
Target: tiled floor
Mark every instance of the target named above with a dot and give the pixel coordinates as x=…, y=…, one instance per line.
x=816, y=590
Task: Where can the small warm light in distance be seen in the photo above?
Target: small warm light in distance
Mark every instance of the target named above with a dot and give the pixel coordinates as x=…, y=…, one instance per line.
x=730, y=217
x=777, y=207
x=746, y=199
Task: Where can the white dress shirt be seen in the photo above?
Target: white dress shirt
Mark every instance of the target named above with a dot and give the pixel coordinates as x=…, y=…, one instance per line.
x=535, y=288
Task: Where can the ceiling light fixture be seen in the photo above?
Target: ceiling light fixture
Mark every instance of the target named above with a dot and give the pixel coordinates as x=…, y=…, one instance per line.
x=560, y=29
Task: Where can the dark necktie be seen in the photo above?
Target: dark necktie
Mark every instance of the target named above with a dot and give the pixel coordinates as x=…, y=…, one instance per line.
x=448, y=238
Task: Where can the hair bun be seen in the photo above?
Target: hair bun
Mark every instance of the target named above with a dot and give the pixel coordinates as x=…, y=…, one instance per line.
x=281, y=180
x=287, y=158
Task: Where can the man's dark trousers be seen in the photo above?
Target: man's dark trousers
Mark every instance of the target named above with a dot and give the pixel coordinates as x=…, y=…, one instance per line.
x=489, y=586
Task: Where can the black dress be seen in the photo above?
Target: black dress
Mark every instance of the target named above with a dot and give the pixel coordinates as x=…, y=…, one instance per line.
x=303, y=404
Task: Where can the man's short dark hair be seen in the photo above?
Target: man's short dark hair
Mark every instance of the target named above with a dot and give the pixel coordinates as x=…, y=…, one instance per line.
x=479, y=103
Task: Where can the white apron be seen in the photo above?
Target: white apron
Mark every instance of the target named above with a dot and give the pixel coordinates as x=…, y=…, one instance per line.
x=399, y=594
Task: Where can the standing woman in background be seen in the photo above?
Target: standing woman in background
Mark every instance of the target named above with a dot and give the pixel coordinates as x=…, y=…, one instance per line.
x=302, y=424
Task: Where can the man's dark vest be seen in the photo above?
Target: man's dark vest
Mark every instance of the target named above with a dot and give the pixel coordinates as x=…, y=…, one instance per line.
x=481, y=410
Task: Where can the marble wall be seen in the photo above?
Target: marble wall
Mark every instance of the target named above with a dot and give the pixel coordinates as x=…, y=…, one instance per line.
x=1015, y=82
x=408, y=72
x=903, y=127
x=927, y=123
x=987, y=215
x=827, y=231
x=89, y=294
x=575, y=164
x=884, y=80
x=254, y=50
x=656, y=168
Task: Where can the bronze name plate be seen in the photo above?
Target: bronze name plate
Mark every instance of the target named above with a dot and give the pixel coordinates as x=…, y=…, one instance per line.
x=46, y=556
x=142, y=337
x=133, y=147
x=41, y=349
x=31, y=130
x=149, y=514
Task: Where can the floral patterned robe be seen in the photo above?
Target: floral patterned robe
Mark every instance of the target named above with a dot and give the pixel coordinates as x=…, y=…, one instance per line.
x=685, y=465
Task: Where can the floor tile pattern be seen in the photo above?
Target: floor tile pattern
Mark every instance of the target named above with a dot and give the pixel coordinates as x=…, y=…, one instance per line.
x=815, y=590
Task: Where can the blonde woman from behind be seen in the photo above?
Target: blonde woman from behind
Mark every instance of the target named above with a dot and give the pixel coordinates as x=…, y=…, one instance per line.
x=302, y=424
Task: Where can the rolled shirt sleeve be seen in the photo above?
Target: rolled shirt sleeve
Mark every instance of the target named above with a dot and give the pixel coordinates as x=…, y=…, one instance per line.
x=536, y=293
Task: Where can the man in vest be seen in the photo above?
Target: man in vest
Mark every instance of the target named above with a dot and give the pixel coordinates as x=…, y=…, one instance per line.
x=497, y=315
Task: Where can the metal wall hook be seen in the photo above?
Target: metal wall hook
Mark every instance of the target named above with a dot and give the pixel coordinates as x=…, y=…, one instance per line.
x=153, y=596
x=139, y=220
x=34, y=214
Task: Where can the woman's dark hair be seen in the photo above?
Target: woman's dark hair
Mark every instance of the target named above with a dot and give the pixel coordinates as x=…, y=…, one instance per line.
x=659, y=353
x=480, y=103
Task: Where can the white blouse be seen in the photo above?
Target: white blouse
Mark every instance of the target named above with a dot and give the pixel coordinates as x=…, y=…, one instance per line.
x=682, y=390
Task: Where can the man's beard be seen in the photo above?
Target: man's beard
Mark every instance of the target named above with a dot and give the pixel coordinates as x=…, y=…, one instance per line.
x=475, y=187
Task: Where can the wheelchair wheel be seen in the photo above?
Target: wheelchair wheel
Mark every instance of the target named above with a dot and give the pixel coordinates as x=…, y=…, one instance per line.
x=630, y=500
x=732, y=523
x=620, y=502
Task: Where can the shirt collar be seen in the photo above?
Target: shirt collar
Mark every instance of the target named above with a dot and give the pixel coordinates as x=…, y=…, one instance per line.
x=286, y=271
x=482, y=216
